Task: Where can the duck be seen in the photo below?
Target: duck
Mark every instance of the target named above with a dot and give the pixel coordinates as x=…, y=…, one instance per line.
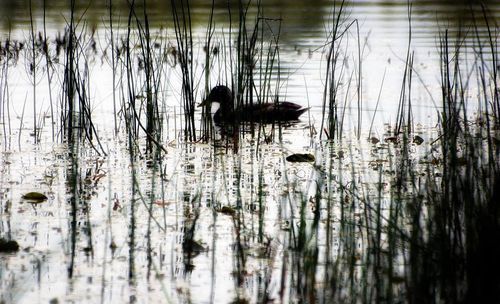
x=221, y=105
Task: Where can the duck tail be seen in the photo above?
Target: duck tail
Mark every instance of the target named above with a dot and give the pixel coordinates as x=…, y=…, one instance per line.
x=301, y=111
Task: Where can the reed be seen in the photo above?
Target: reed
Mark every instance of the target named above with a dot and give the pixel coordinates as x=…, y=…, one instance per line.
x=49, y=70
x=6, y=59
x=384, y=222
x=114, y=59
x=181, y=13
x=76, y=115
x=206, y=126
x=335, y=72
x=33, y=69
x=421, y=229
x=152, y=81
x=404, y=113
x=462, y=228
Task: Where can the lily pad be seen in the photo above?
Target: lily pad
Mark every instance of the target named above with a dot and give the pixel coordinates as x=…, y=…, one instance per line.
x=391, y=139
x=35, y=196
x=301, y=158
x=418, y=140
x=228, y=210
x=8, y=246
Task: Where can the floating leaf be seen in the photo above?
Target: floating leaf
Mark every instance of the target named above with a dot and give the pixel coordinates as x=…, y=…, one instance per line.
x=227, y=210
x=35, y=196
x=391, y=139
x=54, y=301
x=374, y=140
x=300, y=158
x=8, y=246
x=418, y=140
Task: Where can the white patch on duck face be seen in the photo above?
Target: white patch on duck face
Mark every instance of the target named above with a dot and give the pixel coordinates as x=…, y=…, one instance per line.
x=215, y=106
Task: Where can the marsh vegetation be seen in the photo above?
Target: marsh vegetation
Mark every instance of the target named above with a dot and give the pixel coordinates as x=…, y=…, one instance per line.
x=116, y=187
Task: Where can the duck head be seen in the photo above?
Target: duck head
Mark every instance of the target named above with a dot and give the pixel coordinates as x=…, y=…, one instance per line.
x=220, y=101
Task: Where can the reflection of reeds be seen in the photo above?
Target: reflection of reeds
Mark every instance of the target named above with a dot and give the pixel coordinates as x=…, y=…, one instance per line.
x=419, y=227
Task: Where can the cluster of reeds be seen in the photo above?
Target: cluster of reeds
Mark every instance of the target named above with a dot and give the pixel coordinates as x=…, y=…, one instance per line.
x=418, y=227
x=143, y=87
x=424, y=229
x=9, y=52
x=181, y=12
x=244, y=57
x=246, y=63
x=463, y=215
x=336, y=76
x=76, y=114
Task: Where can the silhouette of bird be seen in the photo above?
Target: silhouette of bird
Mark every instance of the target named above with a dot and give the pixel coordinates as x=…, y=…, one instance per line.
x=221, y=104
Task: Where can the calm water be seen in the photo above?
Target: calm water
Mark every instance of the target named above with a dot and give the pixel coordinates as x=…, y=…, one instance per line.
x=194, y=179
x=304, y=32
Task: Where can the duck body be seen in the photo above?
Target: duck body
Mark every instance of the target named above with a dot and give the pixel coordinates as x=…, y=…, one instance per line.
x=221, y=100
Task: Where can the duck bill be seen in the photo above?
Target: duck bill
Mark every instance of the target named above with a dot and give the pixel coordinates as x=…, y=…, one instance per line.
x=204, y=103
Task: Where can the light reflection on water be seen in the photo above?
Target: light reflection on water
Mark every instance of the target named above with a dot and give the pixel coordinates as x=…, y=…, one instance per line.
x=303, y=45
x=198, y=177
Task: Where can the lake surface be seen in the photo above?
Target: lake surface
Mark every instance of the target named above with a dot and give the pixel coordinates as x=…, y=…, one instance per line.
x=303, y=37
x=115, y=223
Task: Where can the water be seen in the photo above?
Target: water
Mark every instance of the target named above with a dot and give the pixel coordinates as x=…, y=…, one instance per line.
x=81, y=245
x=383, y=37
